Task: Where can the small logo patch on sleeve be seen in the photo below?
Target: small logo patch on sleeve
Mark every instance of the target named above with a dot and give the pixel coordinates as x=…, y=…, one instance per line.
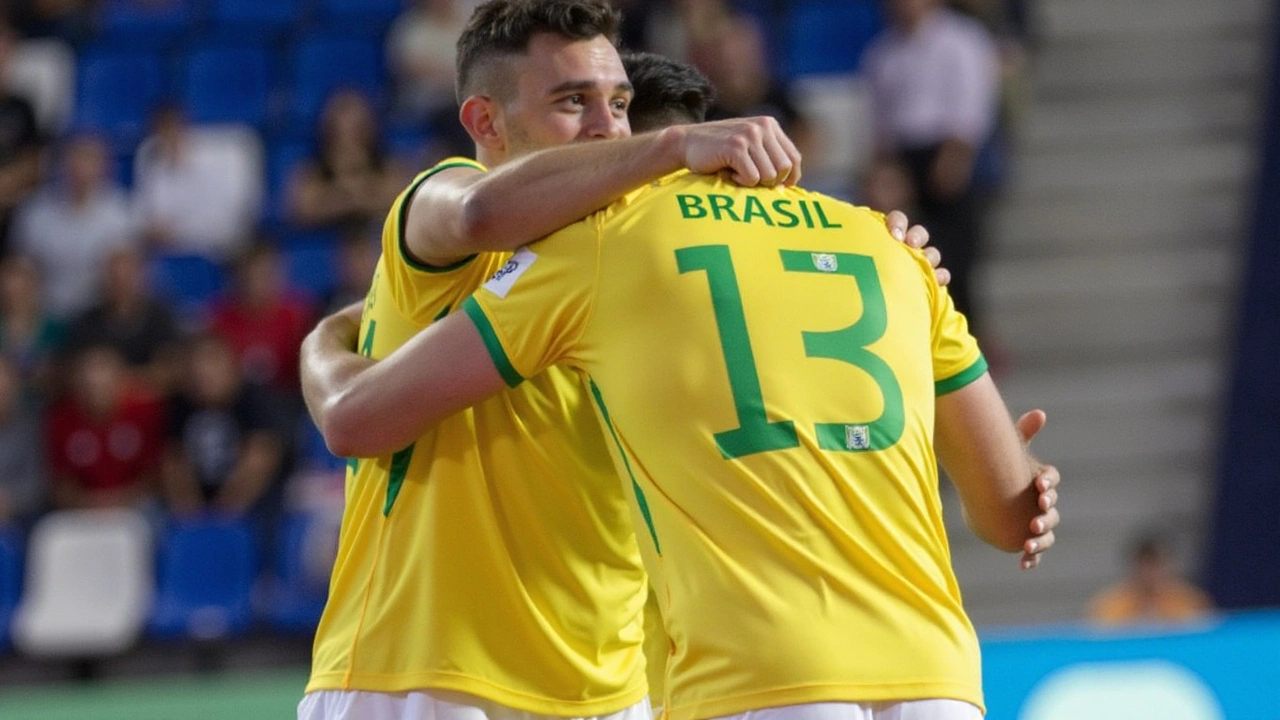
x=501, y=282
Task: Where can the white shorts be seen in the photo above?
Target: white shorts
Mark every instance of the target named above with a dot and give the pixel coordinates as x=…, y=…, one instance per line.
x=936, y=709
x=430, y=705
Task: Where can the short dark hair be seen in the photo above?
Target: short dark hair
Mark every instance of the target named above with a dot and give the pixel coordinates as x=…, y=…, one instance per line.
x=667, y=92
x=501, y=28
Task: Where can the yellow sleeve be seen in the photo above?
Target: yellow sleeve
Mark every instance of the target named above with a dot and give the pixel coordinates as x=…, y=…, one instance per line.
x=957, y=361
x=534, y=310
x=422, y=292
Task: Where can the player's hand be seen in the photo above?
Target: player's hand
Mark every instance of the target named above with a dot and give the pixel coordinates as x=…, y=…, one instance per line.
x=754, y=150
x=917, y=237
x=1040, y=529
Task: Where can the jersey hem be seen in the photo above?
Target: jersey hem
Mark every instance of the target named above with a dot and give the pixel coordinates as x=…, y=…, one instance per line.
x=962, y=378
x=881, y=692
x=482, y=689
x=403, y=217
x=497, y=353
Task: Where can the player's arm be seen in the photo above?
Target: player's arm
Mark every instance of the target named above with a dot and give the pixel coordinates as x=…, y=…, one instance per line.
x=980, y=449
x=328, y=360
x=462, y=211
x=371, y=408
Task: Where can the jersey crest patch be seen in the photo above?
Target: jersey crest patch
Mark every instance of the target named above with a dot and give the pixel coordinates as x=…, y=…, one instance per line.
x=857, y=437
x=501, y=282
x=826, y=262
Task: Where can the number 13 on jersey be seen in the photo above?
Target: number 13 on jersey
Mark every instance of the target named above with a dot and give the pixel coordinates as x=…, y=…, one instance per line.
x=755, y=432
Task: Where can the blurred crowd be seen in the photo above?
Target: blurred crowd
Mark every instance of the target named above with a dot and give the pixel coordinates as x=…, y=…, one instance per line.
x=158, y=272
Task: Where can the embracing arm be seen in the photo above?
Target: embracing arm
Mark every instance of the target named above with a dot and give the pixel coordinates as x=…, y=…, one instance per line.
x=979, y=446
x=366, y=409
x=461, y=211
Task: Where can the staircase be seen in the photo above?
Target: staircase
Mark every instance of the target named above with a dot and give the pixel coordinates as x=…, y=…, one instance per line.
x=1111, y=280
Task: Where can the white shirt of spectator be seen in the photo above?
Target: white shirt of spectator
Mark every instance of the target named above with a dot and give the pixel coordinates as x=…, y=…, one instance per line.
x=210, y=200
x=936, y=83
x=71, y=244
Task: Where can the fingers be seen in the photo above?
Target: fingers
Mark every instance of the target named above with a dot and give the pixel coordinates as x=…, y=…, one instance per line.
x=943, y=276
x=896, y=222
x=742, y=161
x=1035, y=548
x=918, y=237
x=767, y=171
x=933, y=256
x=1031, y=423
x=784, y=156
x=793, y=158
x=754, y=149
x=1042, y=526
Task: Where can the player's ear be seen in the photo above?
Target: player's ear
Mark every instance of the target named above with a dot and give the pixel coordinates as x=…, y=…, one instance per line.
x=481, y=116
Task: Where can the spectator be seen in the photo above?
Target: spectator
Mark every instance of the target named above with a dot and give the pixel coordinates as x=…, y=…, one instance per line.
x=358, y=254
x=351, y=180
x=21, y=146
x=933, y=76
x=420, y=55
x=140, y=327
x=223, y=449
x=29, y=337
x=70, y=229
x=264, y=320
x=22, y=479
x=193, y=192
x=69, y=20
x=1152, y=592
x=104, y=439
x=729, y=47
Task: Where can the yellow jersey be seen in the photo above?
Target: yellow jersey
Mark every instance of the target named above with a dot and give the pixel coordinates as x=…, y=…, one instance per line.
x=494, y=556
x=765, y=364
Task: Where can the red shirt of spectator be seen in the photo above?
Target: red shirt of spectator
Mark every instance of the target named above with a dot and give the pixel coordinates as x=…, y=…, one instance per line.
x=104, y=440
x=264, y=321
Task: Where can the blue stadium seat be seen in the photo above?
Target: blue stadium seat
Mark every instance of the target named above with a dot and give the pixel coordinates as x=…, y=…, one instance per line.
x=10, y=578
x=828, y=36
x=227, y=83
x=282, y=157
x=190, y=282
x=380, y=12
x=297, y=597
x=312, y=450
x=206, y=571
x=149, y=23
x=116, y=90
x=311, y=262
x=322, y=64
x=262, y=15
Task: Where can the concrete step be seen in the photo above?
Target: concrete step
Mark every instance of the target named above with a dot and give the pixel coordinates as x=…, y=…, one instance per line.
x=1140, y=217
x=1126, y=65
x=1176, y=320
x=1118, y=274
x=1091, y=385
x=1157, y=432
x=1070, y=19
x=1157, y=119
x=1081, y=171
x=1087, y=556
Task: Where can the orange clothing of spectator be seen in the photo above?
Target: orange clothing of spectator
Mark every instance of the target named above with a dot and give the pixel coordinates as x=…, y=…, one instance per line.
x=1125, y=603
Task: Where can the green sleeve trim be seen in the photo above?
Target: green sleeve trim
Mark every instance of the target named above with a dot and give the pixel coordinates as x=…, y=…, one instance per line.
x=491, y=342
x=403, y=217
x=962, y=378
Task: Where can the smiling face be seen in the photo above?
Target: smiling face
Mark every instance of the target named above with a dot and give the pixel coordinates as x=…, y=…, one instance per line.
x=557, y=92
